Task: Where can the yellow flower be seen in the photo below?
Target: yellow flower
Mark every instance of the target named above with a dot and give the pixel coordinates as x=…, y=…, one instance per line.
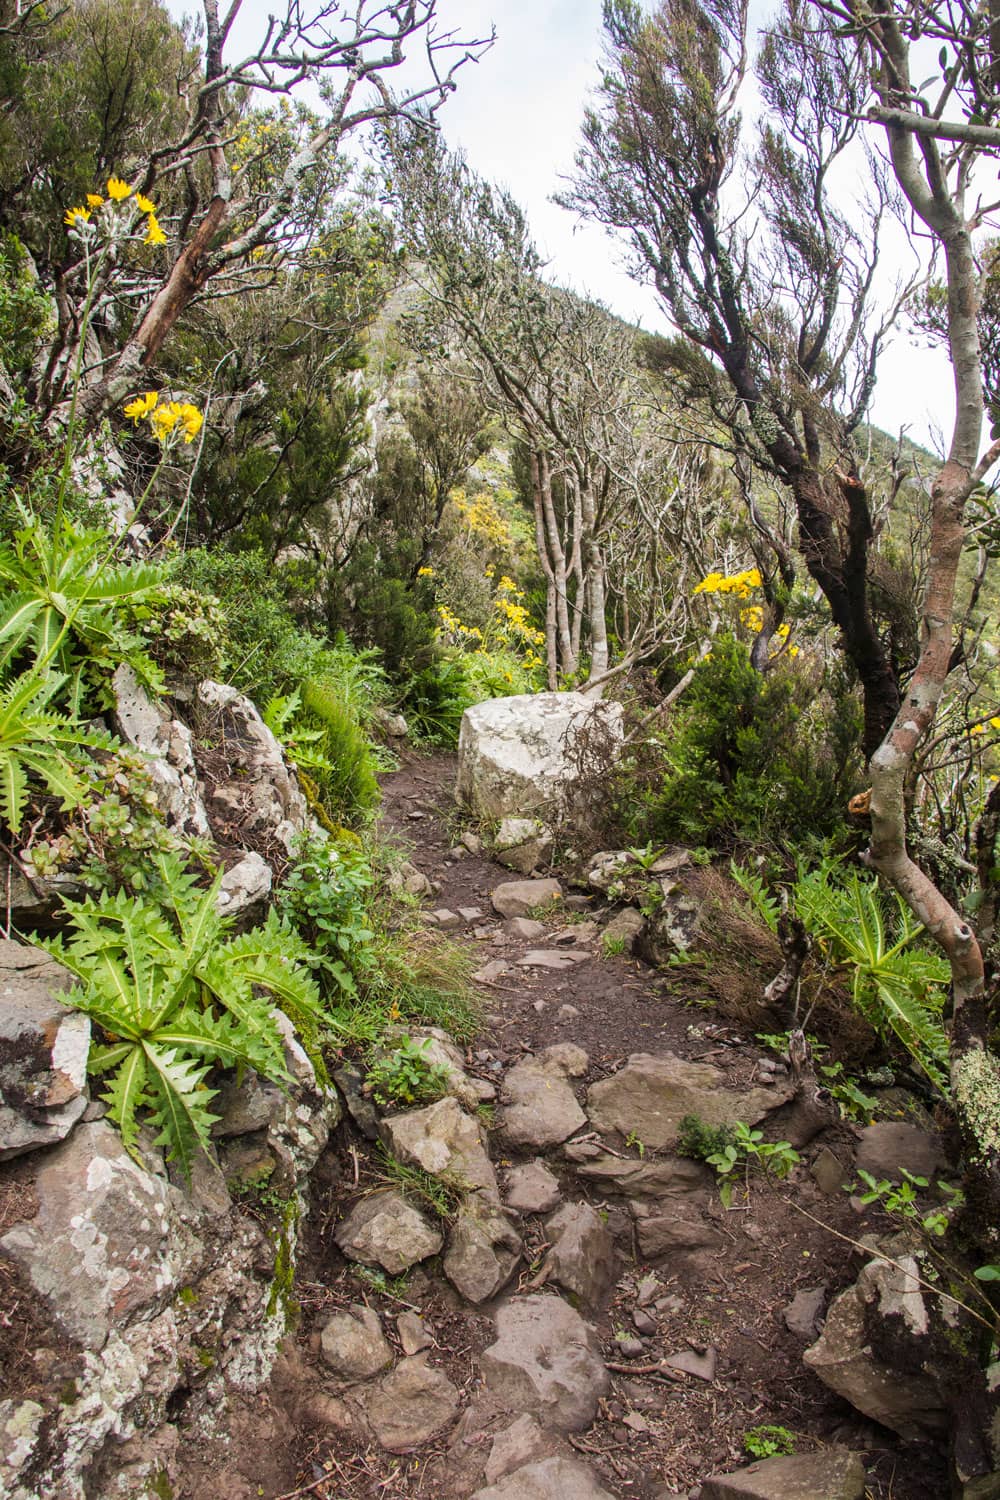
x=165, y=418
x=118, y=189
x=144, y=204
x=191, y=420
x=74, y=214
x=154, y=234
x=141, y=406
x=95, y=200
x=425, y=572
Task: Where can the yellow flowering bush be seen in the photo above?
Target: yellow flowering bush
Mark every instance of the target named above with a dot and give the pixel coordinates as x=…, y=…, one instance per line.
x=740, y=584
x=482, y=517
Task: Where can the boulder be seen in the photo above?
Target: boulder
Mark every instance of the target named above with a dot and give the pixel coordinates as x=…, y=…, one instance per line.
x=516, y=898
x=673, y=926
x=168, y=746
x=532, y=1189
x=444, y=1141
x=483, y=1251
x=535, y=751
x=261, y=796
x=411, y=1405
x=245, y=887
x=582, y=1257
x=900, y=1395
x=888, y=1147
x=651, y=1095
x=386, y=1230
x=668, y=1181
x=110, y=1243
x=833, y=1474
x=43, y=1052
x=546, y=1360
x=539, y=1106
x=547, y=1479
x=522, y=844
x=354, y=1346
x=625, y=928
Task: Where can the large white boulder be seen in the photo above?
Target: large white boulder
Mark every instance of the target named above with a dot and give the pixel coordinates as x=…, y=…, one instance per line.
x=532, y=752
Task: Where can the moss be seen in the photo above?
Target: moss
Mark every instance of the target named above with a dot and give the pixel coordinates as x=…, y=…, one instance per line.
x=187, y=1296
x=283, y=1279
x=977, y=1099
x=205, y=1358
x=160, y=1486
x=69, y=1393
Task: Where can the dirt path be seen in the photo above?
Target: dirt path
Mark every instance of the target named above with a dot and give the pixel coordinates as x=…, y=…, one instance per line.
x=656, y=1435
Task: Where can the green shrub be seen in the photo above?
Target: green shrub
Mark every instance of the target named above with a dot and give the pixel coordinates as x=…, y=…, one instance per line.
x=326, y=894
x=405, y=1076
x=347, y=784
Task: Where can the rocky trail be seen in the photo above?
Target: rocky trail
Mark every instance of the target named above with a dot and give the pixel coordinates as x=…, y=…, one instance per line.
x=598, y=1324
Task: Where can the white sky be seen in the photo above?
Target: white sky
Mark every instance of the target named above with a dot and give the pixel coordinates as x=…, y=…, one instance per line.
x=517, y=115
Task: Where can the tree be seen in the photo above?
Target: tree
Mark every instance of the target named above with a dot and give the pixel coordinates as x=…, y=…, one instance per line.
x=769, y=283
x=228, y=219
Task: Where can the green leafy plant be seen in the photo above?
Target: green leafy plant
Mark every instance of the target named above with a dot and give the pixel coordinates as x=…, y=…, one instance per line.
x=174, y=995
x=611, y=945
x=326, y=894
x=40, y=743
x=898, y=986
x=633, y=1140
x=727, y=1148
x=899, y=1200
x=406, y=1076
x=767, y=1441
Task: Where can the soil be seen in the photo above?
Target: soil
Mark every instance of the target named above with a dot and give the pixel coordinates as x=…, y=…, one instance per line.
x=653, y=1436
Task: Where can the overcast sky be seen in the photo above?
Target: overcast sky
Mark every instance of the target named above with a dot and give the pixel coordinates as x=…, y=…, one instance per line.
x=517, y=115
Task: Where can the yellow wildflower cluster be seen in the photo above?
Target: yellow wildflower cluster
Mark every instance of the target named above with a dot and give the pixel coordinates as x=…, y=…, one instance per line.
x=78, y=218
x=167, y=417
x=482, y=517
x=993, y=723
x=461, y=635
x=515, y=622
x=740, y=584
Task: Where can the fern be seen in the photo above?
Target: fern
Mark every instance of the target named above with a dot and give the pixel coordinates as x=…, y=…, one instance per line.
x=767, y=907
x=176, y=995
x=39, y=744
x=899, y=987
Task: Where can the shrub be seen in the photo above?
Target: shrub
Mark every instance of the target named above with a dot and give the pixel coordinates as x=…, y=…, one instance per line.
x=347, y=784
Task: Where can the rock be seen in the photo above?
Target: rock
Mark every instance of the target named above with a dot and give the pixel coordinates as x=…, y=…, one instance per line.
x=362, y=1111
x=804, y=1313
x=386, y=1230
x=910, y=1403
x=34, y=902
x=651, y=1095
x=483, y=1251
x=522, y=844
x=546, y=1360
x=43, y=1052
x=245, y=886
x=470, y=914
x=539, y=1106
x=411, y=1405
x=263, y=796
x=354, y=1346
x=548, y=1479
x=243, y=1105
x=829, y=1173
x=625, y=928
x=683, y=1231
x=887, y=1148
x=110, y=1242
x=523, y=1441
x=448, y=921
x=444, y=1141
x=673, y=926
x=690, y=1362
x=608, y=867
x=532, y=1189
x=413, y=1334
x=644, y=1323
x=439, y=1051
x=516, y=898
x=670, y=1180
x=472, y=842
x=523, y=927
x=567, y=1013
x=833, y=1474
x=393, y=725
x=491, y=972
x=630, y=1348
x=582, y=1257
x=409, y=880
x=535, y=751
x=552, y=958
x=169, y=749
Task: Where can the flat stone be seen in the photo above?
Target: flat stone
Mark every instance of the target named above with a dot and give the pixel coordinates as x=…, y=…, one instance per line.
x=532, y=1189
x=651, y=1095
x=888, y=1148
x=690, y=1362
x=411, y=1405
x=516, y=898
x=552, y=958
x=667, y=1180
x=525, y=928
x=546, y=1360
x=386, y=1230
x=44, y=1048
x=354, y=1346
x=829, y=1172
x=444, y=1141
x=483, y=1251
x=548, y=1479
x=491, y=972
x=470, y=913
x=582, y=1257
x=804, y=1313
x=110, y=1241
x=447, y=920
x=833, y=1474
x=539, y=1106
x=684, y=1231
x=516, y=1446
